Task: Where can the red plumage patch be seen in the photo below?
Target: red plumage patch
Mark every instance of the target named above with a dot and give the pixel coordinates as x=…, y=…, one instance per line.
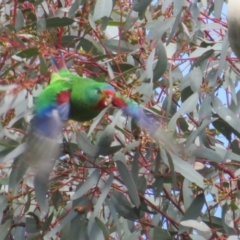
x=102, y=102
x=118, y=102
x=63, y=97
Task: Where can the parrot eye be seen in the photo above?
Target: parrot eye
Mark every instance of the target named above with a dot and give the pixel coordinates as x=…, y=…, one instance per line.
x=99, y=91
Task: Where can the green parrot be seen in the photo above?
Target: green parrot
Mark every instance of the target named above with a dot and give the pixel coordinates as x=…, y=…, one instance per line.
x=68, y=96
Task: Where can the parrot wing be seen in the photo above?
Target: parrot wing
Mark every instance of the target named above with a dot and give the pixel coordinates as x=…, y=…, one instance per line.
x=146, y=120
x=42, y=148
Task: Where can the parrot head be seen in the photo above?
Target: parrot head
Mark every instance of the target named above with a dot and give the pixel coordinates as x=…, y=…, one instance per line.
x=104, y=97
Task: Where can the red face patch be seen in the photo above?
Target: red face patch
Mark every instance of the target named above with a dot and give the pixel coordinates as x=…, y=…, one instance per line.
x=63, y=97
x=106, y=100
x=118, y=102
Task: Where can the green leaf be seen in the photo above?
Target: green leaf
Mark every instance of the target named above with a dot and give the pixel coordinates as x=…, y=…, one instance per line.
x=127, y=178
x=161, y=64
x=28, y=53
x=75, y=229
x=91, y=181
x=4, y=181
x=131, y=19
x=166, y=157
x=5, y=228
x=159, y=233
x=7, y=69
x=202, y=58
x=103, y=8
x=194, y=211
x=104, y=24
x=93, y=228
x=235, y=146
x=187, y=194
x=3, y=203
x=74, y=7
x=41, y=185
x=218, y=5
x=122, y=67
x=196, y=79
x=188, y=106
x=213, y=221
x=56, y=197
x=66, y=220
x=58, y=22
x=183, y=125
x=92, y=150
x=186, y=170
x=107, y=137
x=175, y=26
x=141, y=5
x=13, y=153
x=200, y=226
x=19, y=168
x=47, y=224
x=104, y=193
x=91, y=46
x=226, y=114
x=118, y=45
x=186, y=93
x=19, y=22
x=28, y=203
x=157, y=186
x=208, y=154
x=141, y=185
x=32, y=225
x=205, y=108
x=69, y=41
x=43, y=66
x=123, y=206
x=114, y=215
x=149, y=65
x=135, y=167
x=228, y=230
x=40, y=25
x=19, y=231
x=103, y=227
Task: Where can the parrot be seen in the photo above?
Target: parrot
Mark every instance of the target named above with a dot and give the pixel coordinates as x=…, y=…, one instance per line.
x=68, y=96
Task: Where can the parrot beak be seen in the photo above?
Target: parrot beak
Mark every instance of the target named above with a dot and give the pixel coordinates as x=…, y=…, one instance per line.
x=108, y=97
x=108, y=100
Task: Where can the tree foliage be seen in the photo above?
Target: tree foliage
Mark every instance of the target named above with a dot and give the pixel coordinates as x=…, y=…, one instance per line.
x=113, y=180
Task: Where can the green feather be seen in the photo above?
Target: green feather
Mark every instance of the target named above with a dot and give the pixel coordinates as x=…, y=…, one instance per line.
x=85, y=96
x=49, y=95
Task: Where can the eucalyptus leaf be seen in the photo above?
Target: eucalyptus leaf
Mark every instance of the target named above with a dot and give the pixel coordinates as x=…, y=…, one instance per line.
x=123, y=206
x=19, y=20
x=127, y=179
x=193, y=211
x=141, y=5
x=103, y=8
x=4, y=229
x=185, y=169
x=161, y=64
x=92, y=180
x=118, y=45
